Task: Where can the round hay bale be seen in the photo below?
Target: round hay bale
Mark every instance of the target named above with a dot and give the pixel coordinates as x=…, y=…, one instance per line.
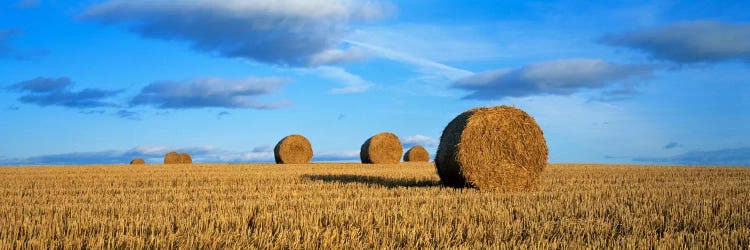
x=293, y=149
x=172, y=158
x=137, y=161
x=186, y=159
x=492, y=148
x=417, y=154
x=383, y=148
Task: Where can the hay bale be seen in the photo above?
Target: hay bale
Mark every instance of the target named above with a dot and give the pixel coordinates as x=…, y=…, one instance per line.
x=417, y=154
x=492, y=148
x=137, y=161
x=293, y=149
x=383, y=148
x=172, y=158
x=186, y=159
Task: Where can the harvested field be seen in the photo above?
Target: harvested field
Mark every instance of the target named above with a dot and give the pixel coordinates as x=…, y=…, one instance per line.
x=327, y=205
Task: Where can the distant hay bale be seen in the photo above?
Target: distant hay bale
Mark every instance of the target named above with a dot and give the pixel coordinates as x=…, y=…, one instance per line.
x=417, y=154
x=492, y=148
x=173, y=158
x=383, y=148
x=293, y=149
x=137, y=161
x=186, y=159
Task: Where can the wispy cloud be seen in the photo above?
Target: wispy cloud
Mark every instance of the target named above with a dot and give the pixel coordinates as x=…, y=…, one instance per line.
x=352, y=83
x=25, y=4
x=127, y=114
x=337, y=56
x=44, y=91
x=560, y=77
x=617, y=93
x=722, y=157
x=689, y=42
x=672, y=145
x=286, y=32
x=210, y=92
x=93, y=112
x=222, y=114
x=438, y=42
x=42, y=85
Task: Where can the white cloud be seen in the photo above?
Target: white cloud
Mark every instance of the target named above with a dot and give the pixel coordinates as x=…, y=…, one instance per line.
x=287, y=32
x=243, y=157
x=559, y=77
x=152, y=154
x=263, y=149
x=150, y=150
x=351, y=155
x=420, y=140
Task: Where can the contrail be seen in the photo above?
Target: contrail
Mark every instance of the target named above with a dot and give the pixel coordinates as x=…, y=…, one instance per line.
x=432, y=66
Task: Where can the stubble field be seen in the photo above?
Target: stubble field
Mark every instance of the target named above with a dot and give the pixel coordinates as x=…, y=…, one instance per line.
x=330, y=205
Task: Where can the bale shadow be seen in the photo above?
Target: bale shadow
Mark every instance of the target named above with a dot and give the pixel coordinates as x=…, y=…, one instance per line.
x=372, y=180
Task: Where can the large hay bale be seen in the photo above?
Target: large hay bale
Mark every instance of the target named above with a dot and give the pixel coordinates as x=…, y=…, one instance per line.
x=383, y=148
x=417, y=154
x=492, y=148
x=173, y=158
x=137, y=161
x=186, y=159
x=293, y=149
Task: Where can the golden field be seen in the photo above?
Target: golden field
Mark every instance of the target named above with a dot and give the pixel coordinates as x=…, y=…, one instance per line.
x=333, y=205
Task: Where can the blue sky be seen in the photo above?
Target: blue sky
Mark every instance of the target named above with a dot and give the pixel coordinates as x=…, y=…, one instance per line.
x=664, y=82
